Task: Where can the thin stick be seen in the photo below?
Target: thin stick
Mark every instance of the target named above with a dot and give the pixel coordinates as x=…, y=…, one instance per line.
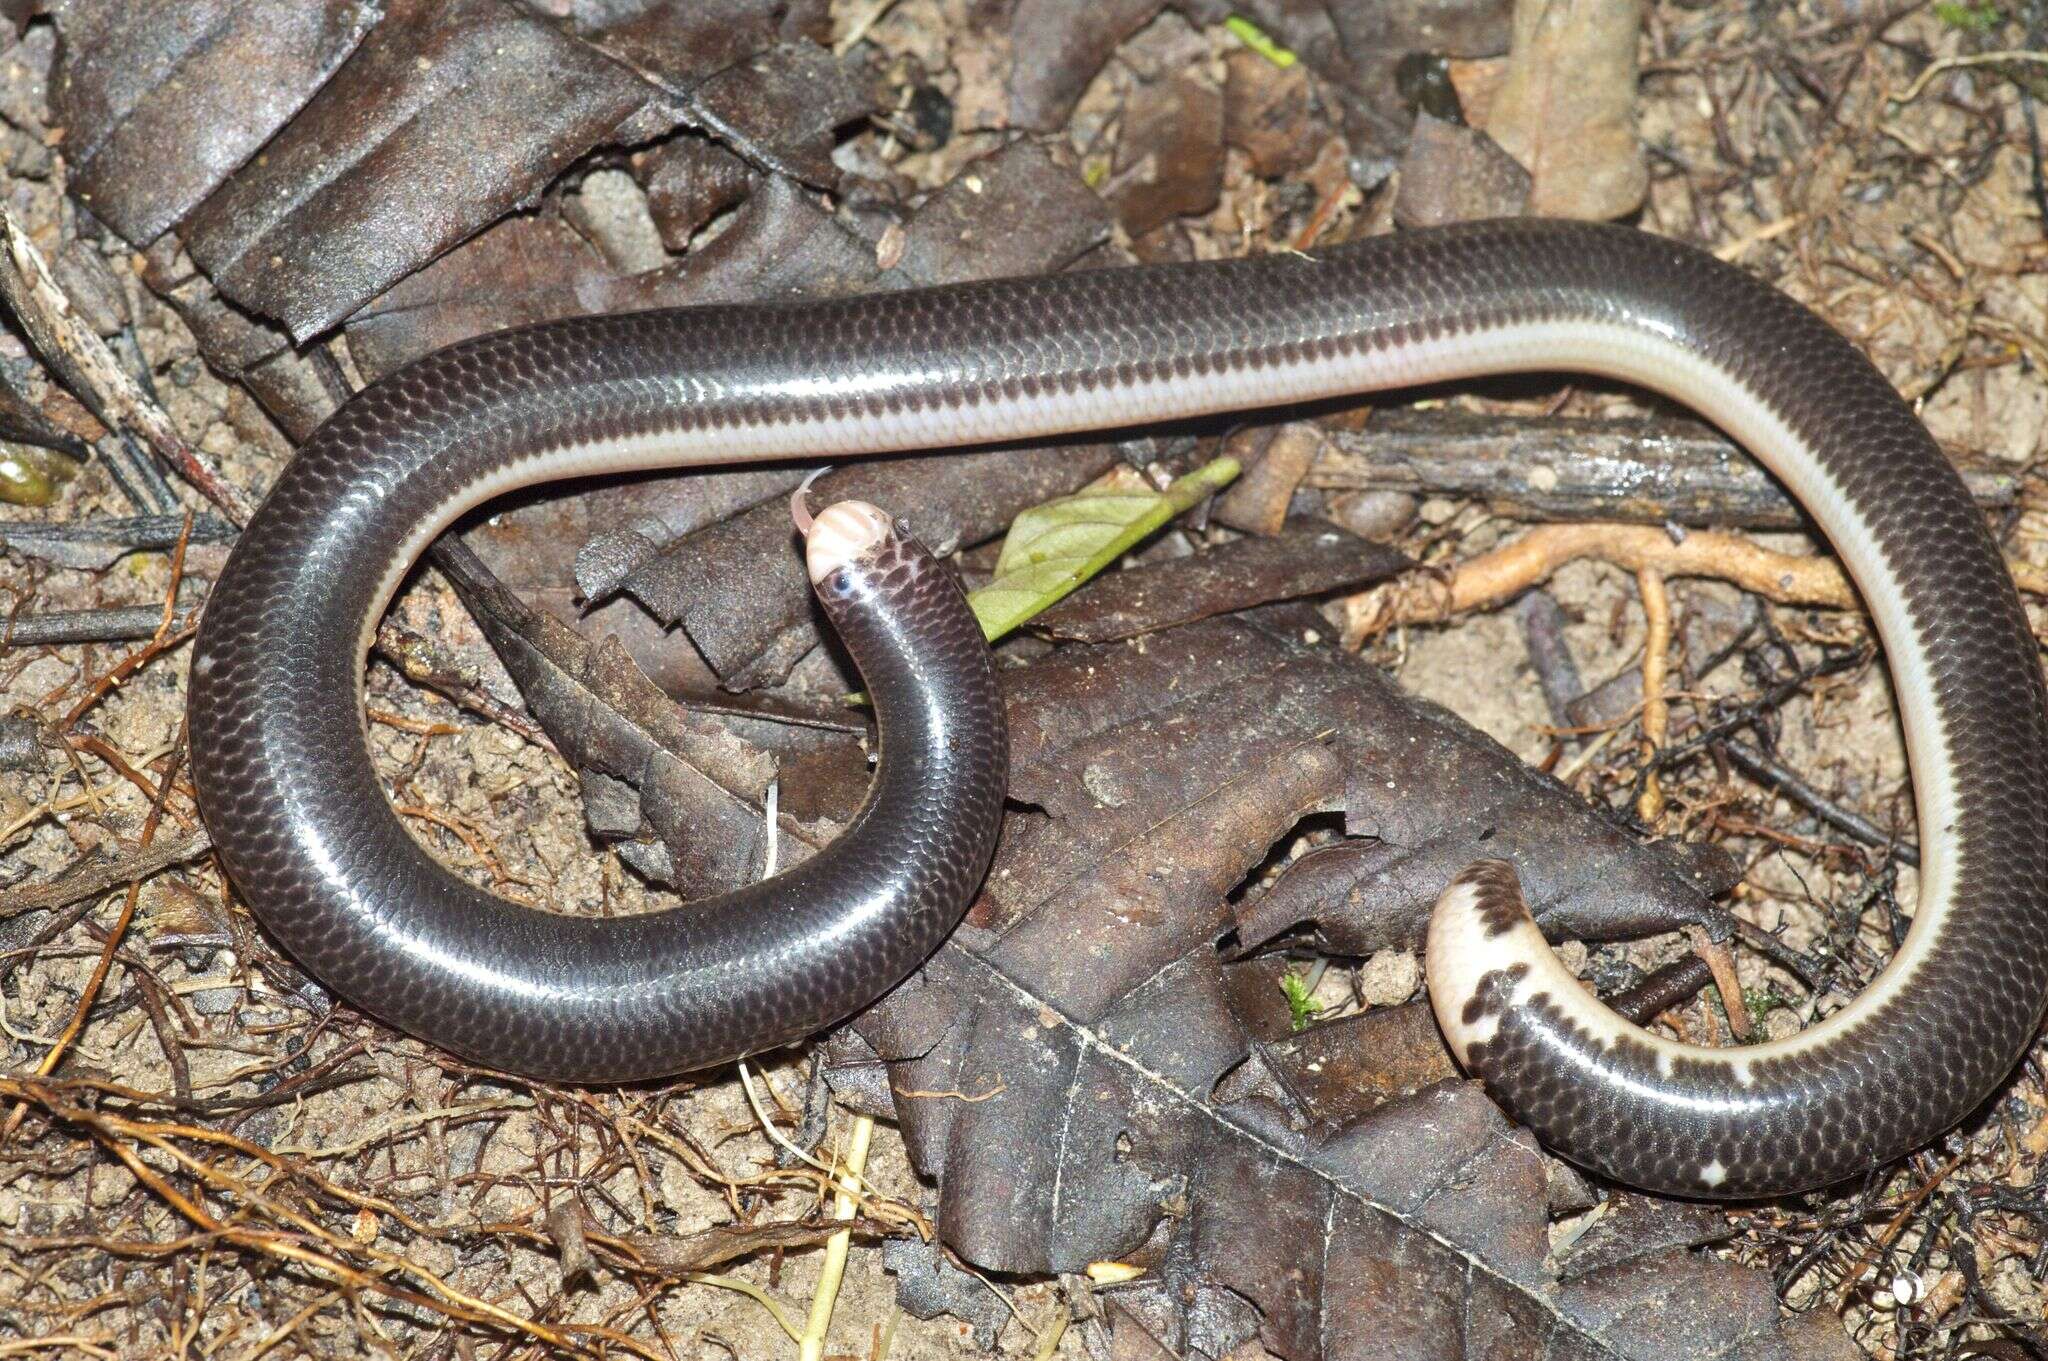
x=76, y=354
x=89, y=877
x=115, y=935
x=126, y=667
x=1974, y=59
x=1778, y=776
x=69, y=1342
x=1770, y=231
x=177, y=580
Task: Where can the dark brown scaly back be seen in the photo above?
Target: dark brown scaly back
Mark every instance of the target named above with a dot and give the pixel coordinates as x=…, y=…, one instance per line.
x=641, y=996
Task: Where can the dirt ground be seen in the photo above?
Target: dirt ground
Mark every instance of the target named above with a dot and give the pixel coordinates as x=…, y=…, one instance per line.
x=1913, y=225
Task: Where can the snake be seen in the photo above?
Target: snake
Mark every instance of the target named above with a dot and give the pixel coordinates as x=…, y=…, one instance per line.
x=292, y=801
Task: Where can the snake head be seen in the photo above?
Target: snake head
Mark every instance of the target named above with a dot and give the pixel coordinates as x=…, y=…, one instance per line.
x=843, y=533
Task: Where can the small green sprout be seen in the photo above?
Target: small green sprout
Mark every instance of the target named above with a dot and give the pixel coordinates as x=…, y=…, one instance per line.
x=1259, y=41
x=1981, y=17
x=1303, y=1006
x=1761, y=1002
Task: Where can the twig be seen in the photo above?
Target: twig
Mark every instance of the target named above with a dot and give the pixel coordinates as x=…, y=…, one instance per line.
x=135, y=475
x=90, y=798
x=296, y=1245
x=1935, y=68
x=68, y=1342
x=1550, y=468
x=386, y=1128
x=1668, y=987
x=1812, y=975
x=780, y=1140
x=752, y=1292
x=177, y=578
x=123, y=669
x=424, y=662
x=2037, y=37
x=86, y=879
x=92, y=544
x=292, y=1324
x=857, y=29
x=892, y=1213
x=99, y=747
x=90, y=369
x=478, y=845
x=1770, y=231
x=91, y=992
x=1894, y=1228
x=1759, y=766
x=1751, y=712
x=1587, y=754
x=56, y=628
x=1542, y=621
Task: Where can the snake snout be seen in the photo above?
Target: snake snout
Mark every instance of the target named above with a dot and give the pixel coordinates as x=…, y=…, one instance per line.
x=844, y=532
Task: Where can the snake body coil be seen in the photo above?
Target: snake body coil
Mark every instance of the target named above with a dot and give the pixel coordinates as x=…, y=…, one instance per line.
x=294, y=806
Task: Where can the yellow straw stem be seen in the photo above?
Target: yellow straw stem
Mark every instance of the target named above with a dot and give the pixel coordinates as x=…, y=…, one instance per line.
x=812, y=1346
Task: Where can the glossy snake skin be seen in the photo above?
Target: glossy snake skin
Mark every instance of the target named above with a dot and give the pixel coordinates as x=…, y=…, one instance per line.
x=293, y=804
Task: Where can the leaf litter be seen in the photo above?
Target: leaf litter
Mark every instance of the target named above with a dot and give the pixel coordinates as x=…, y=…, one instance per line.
x=1100, y=1080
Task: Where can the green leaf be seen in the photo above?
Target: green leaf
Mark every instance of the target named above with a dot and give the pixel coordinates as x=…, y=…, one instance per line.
x=1053, y=548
